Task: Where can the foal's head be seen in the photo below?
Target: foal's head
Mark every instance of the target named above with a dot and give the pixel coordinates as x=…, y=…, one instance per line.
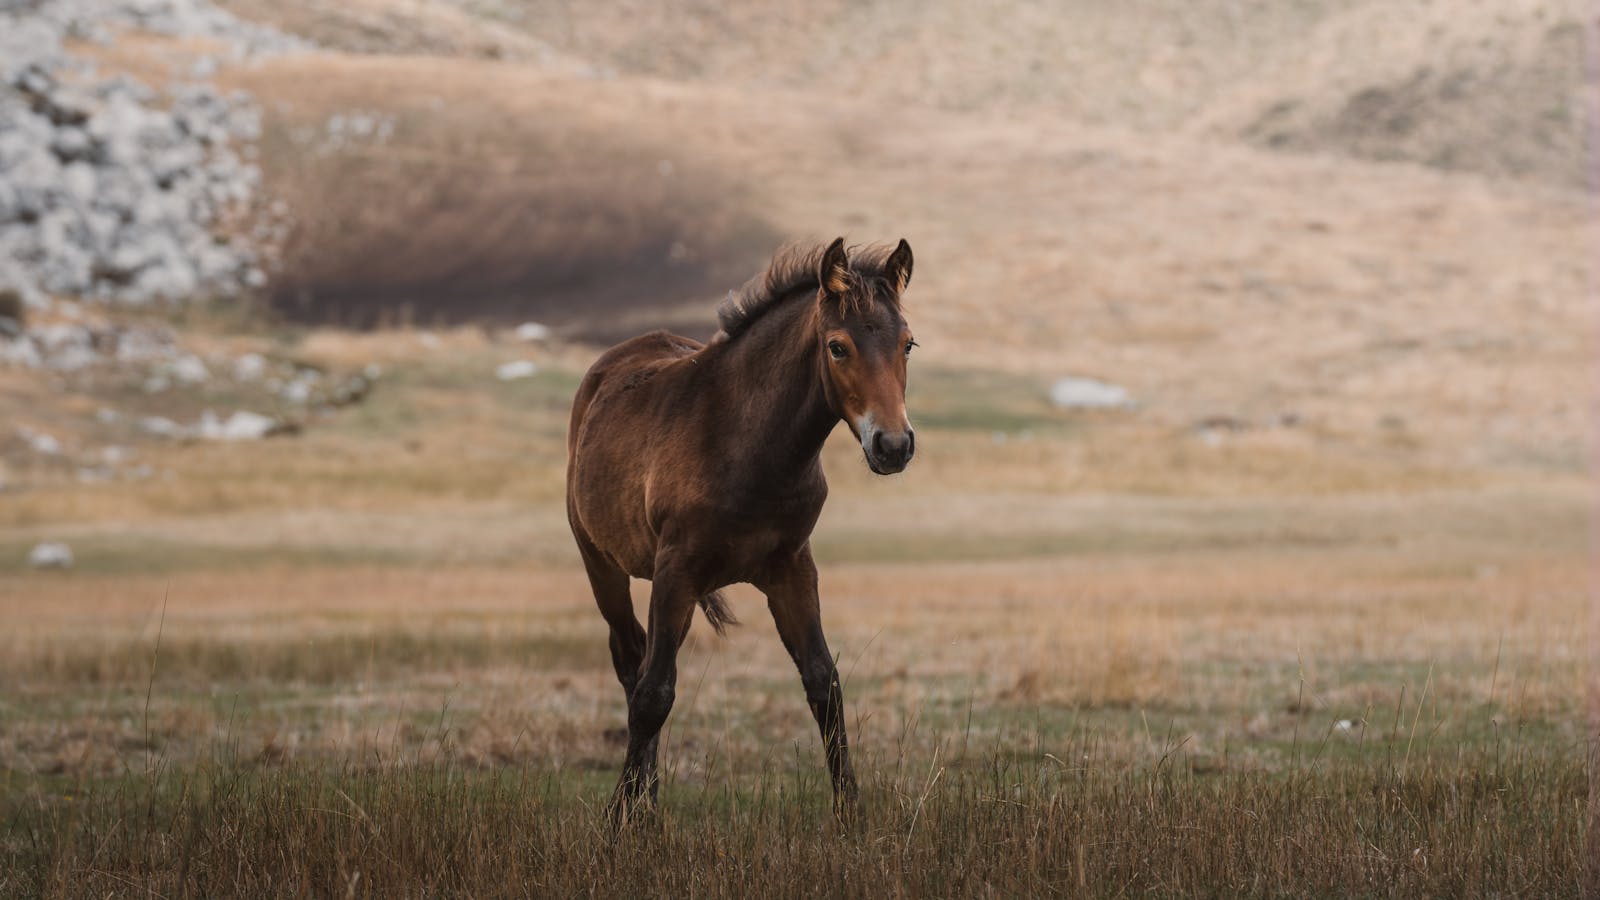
x=865, y=344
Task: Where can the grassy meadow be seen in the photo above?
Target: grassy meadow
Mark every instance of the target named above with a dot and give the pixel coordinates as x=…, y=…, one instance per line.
x=1084, y=654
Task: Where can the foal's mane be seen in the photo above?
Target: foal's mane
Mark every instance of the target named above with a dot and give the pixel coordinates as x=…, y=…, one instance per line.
x=793, y=269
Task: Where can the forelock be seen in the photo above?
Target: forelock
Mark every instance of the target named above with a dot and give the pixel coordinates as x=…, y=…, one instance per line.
x=792, y=272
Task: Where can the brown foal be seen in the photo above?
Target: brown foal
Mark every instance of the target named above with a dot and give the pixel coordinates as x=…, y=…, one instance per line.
x=696, y=466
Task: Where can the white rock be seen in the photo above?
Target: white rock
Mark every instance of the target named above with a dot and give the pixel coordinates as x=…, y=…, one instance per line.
x=141, y=344
x=249, y=367
x=161, y=426
x=241, y=426
x=21, y=353
x=532, y=332
x=72, y=359
x=299, y=388
x=1089, y=393
x=50, y=555
x=79, y=181
x=189, y=369
x=511, y=371
x=39, y=442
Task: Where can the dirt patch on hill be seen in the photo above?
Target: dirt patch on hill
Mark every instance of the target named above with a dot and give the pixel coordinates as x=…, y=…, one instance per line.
x=460, y=244
x=438, y=194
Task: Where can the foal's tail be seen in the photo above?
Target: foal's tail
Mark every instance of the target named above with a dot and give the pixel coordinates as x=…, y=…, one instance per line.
x=715, y=606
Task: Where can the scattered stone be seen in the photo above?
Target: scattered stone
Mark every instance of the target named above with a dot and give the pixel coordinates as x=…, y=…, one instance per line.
x=298, y=390
x=532, y=332
x=511, y=371
x=20, y=354
x=39, y=442
x=64, y=346
x=1089, y=393
x=50, y=555
x=249, y=367
x=241, y=426
x=161, y=426
x=189, y=369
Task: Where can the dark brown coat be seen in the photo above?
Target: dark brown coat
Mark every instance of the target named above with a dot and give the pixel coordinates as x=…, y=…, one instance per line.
x=696, y=466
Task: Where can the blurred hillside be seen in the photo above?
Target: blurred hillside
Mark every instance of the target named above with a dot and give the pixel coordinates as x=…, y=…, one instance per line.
x=1488, y=86
x=1284, y=227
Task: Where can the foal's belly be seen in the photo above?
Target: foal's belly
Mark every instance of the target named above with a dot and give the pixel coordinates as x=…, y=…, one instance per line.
x=722, y=546
x=720, y=554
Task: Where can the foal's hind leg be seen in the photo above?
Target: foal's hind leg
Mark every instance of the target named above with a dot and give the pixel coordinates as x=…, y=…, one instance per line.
x=672, y=604
x=611, y=594
x=791, y=589
x=610, y=586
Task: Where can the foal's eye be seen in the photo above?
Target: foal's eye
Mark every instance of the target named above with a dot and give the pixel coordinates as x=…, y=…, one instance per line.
x=909, y=345
x=837, y=350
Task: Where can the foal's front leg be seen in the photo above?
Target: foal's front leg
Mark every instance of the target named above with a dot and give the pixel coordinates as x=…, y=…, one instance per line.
x=791, y=590
x=672, y=602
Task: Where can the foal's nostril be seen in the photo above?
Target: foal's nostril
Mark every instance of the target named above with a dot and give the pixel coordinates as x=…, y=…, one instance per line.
x=892, y=446
x=911, y=443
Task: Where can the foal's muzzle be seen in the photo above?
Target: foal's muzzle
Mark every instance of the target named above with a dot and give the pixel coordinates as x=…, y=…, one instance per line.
x=888, y=452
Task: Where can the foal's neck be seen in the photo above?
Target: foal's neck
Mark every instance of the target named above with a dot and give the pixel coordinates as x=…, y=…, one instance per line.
x=776, y=367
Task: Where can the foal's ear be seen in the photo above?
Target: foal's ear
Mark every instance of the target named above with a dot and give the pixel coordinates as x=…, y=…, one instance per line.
x=833, y=273
x=897, y=268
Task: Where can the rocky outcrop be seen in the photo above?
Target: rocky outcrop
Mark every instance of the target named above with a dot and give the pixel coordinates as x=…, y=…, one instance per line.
x=117, y=191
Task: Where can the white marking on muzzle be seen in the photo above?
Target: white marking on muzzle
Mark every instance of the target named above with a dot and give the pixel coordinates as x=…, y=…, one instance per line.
x=866, y=427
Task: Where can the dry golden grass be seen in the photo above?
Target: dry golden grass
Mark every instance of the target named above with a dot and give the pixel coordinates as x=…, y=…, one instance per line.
x=1317, y=690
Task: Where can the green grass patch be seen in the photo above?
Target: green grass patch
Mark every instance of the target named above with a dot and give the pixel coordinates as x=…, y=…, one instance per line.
x=980, y=400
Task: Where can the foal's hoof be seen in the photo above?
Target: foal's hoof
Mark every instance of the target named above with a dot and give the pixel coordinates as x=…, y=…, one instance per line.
x=847, y=810
x=627, y=808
